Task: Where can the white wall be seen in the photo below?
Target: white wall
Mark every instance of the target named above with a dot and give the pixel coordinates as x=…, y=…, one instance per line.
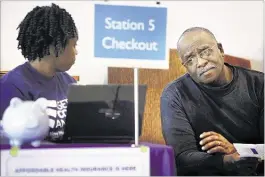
x=237, y=24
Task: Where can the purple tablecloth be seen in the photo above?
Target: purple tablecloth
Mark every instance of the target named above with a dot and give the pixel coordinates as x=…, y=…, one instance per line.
x=161, y=163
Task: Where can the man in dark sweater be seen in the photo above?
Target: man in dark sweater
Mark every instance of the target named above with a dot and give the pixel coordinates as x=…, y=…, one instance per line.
x=211, y=107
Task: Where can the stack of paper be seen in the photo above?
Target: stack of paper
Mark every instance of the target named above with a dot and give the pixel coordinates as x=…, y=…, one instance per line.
x=250, y=150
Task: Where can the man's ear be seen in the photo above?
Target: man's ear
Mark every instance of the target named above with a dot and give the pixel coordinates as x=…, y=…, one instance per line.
x=220, y=47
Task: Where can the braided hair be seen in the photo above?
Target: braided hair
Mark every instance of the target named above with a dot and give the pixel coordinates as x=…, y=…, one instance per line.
x=42, y=27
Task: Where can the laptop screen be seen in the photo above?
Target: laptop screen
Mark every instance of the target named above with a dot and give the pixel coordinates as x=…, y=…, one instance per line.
x=103, y=111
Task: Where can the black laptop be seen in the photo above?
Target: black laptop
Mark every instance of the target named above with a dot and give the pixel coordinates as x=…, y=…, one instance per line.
x=103, y=113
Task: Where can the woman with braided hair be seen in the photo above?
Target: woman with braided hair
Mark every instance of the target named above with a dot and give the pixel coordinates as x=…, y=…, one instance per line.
x=47, y=38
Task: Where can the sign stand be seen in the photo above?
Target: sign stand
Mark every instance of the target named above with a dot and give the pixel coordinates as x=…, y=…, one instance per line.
x=136, y=110
x=131, y=50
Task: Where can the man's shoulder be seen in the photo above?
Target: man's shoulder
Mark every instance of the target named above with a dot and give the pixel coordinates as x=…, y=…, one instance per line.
x=252, y=74
x=174, y=86
x=250, y=71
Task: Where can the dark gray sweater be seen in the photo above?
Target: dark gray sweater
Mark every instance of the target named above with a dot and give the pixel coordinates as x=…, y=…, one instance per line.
x=234, y=111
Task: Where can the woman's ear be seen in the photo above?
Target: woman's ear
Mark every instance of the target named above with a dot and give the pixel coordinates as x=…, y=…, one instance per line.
x=220, y=47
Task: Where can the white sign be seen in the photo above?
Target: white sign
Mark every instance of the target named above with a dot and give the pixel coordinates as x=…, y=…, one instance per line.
x=131, y=36
x=127, y=161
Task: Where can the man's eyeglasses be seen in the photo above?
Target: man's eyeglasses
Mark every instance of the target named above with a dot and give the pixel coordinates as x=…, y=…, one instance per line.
x=193, y=59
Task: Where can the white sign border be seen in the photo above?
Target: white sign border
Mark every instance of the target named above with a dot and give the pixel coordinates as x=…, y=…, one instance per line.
x=133, y=63
x=85, y=152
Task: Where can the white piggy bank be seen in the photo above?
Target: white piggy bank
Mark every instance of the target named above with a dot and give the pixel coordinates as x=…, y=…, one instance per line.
x=26, y=122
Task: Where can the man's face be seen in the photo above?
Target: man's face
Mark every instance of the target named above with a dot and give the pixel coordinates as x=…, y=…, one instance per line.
x=67, y=58
x=201, y=56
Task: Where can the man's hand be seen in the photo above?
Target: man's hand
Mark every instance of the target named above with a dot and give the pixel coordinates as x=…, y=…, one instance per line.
x=213, y=142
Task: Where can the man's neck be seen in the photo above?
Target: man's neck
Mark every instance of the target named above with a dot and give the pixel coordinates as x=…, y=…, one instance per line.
x=225, y=77
x=45, y=66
